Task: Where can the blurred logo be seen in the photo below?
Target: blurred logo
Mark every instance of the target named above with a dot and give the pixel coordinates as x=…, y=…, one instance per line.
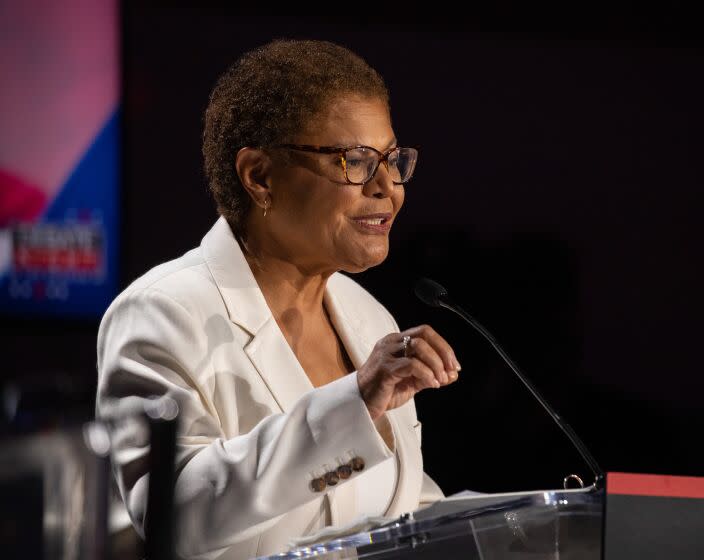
x=66, y=249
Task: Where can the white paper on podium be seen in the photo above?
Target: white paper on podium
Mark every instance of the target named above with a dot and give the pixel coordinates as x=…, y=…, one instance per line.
x=469, y=500
x=455, y=503
x=362, y=523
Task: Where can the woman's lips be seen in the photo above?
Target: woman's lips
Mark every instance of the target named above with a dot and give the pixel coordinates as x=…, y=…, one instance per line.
x=373, y=223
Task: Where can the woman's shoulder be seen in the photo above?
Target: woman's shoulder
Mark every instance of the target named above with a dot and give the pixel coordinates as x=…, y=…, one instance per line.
x=185, y=280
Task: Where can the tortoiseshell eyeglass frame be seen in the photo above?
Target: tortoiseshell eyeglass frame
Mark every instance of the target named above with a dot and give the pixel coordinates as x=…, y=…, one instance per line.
x=382, y=156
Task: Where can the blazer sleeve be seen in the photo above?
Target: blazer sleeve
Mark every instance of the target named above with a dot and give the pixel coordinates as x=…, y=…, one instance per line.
x=227, y=490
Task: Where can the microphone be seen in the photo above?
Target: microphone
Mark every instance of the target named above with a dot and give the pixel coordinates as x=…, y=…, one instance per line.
x=433, y=294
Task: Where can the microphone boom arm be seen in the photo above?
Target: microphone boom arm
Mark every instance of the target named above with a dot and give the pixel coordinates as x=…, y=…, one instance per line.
x=564, y=426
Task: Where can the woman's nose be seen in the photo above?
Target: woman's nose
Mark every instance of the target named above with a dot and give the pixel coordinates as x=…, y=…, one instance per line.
x=380, y=185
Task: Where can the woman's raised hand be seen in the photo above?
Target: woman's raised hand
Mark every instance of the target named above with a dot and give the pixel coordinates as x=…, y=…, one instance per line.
x=399, y=367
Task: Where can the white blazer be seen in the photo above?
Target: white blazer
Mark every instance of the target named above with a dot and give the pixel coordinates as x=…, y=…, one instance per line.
x=254, y=431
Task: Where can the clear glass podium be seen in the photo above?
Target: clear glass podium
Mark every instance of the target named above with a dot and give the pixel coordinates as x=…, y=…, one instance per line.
x=546, y=525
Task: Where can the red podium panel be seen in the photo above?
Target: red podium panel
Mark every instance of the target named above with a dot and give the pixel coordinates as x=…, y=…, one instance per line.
x=653, y=517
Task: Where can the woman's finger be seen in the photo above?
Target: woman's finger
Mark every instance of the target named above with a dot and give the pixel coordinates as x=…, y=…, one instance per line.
x=413, y=367
x=441, y=346
x=420, y=349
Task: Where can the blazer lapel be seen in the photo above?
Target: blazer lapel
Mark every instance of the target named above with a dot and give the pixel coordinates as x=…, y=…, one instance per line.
x=348, y=325
x=271, y=354
x=268, y=349
x=410, y=468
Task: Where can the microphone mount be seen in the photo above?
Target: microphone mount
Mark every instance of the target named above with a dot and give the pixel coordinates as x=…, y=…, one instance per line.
x=435, y=295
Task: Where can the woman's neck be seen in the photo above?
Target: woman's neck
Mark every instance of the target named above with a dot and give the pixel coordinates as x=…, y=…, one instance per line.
x=288, y=287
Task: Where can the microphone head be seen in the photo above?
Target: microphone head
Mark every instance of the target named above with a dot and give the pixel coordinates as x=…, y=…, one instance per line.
x=430, y=292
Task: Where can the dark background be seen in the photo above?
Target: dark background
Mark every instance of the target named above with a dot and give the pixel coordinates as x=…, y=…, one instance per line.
x=558, y=197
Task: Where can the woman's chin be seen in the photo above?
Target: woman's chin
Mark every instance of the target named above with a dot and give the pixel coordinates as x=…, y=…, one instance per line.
x=365, y=260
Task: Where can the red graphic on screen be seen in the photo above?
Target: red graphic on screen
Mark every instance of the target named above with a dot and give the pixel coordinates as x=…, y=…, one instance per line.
x=20, y=201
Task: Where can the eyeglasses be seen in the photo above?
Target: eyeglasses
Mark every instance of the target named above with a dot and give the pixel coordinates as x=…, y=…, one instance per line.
x=360, y=163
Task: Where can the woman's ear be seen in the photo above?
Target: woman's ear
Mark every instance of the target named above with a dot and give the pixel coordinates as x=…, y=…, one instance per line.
x=253, y=166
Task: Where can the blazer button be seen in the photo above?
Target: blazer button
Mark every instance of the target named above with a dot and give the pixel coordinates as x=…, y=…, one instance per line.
x=357, y=464
x=331, y=478
x=318, y=484
x=344, y=471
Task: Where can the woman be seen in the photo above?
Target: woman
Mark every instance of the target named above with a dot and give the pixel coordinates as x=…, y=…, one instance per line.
x=295, y=386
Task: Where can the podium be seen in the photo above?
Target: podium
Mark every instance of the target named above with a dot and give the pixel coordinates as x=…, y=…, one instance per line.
x=636, y=517
x=536, y=525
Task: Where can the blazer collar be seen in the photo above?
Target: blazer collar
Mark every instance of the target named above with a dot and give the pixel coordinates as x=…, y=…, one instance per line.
x=243, y=299
x=247, y=307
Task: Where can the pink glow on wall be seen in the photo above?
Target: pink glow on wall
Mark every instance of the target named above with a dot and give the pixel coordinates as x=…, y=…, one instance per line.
x=59, y=67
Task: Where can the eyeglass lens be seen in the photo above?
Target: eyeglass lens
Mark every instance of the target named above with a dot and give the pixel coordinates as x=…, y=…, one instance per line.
x=361, y=163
